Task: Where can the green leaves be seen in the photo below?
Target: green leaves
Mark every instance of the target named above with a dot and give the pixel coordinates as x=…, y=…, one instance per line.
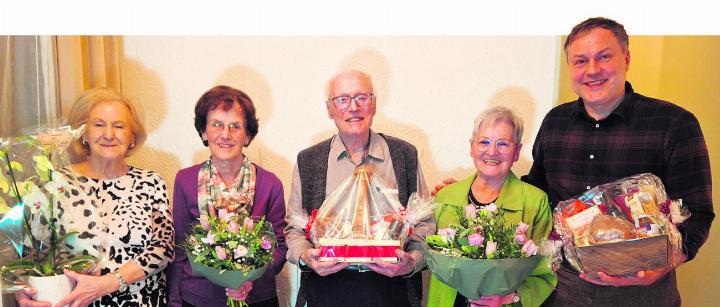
x=492, y=238
x=42, y=167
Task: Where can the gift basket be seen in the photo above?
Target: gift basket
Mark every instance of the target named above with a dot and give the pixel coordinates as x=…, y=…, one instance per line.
x=621, y=227
x=363, y=219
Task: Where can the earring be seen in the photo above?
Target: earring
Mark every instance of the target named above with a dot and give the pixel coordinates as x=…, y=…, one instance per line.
x=84, y=142
x=132, y=145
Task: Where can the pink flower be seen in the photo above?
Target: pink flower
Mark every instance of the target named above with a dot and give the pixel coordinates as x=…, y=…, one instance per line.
x=224, y=215
x=470, y=211
x=221, y=253
x=476, y=239
x=520, y=238
x=491, y=207
x=490, y=248
x=248, y=224
x=240, y=251
x=448, y=234
x=209, y=239
x=266, y=243
x=204, y=222
x=521, y=228
x=233, y=227
x=529, y=248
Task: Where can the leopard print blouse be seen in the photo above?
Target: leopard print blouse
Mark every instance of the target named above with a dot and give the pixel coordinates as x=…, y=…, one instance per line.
x=127, y=219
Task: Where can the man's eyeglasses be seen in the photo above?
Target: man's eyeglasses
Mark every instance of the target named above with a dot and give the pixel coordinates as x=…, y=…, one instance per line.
x=218, y=126
x=502, y=146
x=343, y=102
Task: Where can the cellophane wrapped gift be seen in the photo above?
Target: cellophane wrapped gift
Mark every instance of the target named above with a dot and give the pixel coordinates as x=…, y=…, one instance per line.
x=363, y=219
x=621, y=227
x=39, y=229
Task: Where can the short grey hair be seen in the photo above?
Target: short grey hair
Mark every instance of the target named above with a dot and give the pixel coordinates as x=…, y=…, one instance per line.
x=497, y=114
x=358, y=74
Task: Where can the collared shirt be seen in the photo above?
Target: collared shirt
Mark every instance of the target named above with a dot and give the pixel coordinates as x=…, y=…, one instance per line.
x=340, y=166
x=573, y=153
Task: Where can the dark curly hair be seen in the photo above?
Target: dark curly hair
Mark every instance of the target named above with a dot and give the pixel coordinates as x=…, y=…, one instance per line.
x=223, y=96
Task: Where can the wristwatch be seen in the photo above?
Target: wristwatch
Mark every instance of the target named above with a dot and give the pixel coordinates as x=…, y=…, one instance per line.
x=121, y=281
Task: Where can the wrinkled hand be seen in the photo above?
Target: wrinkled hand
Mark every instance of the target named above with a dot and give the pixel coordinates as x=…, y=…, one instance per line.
x=240, y=294
x=88, y=288
x=440, y=186
x=24, y=298
x=322, y=268
x=404, y=266
x=493, y=300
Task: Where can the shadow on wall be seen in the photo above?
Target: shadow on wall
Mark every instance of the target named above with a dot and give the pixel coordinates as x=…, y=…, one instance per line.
x=375, y=63
x=520, y=101
x=144, y=88
x=256, y=86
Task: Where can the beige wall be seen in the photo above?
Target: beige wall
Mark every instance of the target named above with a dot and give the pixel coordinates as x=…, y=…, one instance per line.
x=429, y=91
x=429, y=88
x=686, y=71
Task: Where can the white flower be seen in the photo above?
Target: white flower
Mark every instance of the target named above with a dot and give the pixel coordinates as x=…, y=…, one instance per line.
x=209, y=239
x=36, y=200
x=58, y=185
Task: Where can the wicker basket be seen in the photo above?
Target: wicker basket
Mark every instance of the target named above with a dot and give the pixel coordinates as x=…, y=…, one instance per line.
x=626, y=257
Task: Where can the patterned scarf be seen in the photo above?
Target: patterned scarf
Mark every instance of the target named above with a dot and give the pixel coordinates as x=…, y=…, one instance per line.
x=213, y=195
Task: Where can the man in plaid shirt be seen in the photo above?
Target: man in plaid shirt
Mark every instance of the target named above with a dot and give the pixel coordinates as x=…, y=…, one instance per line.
x=612, y=132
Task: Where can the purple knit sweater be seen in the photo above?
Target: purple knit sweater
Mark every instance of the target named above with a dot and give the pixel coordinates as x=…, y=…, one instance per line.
x=269, y=201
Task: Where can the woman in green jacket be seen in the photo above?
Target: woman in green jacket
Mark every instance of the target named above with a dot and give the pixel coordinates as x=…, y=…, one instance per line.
x=494, y=147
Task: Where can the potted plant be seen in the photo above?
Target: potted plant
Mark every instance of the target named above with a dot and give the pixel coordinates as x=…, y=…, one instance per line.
x=31, y=224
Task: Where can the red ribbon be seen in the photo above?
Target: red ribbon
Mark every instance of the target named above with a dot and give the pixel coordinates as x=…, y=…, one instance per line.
x=353, y=251
x=311, y=221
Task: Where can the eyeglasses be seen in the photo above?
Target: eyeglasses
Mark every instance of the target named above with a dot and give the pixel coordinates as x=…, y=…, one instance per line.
x=218, y=126
x=343, y=102
x=502, y=146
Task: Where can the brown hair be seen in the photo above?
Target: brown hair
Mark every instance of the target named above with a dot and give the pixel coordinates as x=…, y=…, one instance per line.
x=599, y=22
x=223, y=96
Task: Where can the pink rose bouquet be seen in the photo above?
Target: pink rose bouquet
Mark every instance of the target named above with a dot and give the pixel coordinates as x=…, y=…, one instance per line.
x=230, y=249
x=482, y=254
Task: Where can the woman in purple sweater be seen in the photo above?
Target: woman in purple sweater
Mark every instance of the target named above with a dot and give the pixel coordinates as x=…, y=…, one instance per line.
x=225, y=120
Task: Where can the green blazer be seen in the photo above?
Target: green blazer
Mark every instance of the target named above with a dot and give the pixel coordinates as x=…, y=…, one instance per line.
x=520, y=202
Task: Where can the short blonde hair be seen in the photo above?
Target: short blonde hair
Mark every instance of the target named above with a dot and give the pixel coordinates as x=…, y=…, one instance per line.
x=496, y=114
x=80, y=112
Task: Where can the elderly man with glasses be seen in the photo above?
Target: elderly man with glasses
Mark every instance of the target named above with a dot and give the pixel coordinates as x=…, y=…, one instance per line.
x=321, y=168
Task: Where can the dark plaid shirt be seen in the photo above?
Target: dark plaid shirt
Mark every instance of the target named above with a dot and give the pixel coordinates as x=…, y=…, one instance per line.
x=573, y=153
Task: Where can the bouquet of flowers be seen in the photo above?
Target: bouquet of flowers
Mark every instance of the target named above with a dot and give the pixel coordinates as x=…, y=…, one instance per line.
x=482, y=255
x=621, y=227
x=31, y=226
x=230, y=249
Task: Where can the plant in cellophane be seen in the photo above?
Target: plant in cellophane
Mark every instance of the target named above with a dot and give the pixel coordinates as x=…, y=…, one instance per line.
x=482, y=254
x=31, y=206
x=230, y=248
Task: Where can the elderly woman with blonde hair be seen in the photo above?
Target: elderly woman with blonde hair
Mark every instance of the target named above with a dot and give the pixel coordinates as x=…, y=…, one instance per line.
x=494, y=146
x=124, y=213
